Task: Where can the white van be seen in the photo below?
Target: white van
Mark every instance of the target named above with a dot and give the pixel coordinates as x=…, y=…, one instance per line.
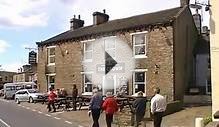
x=11, y=88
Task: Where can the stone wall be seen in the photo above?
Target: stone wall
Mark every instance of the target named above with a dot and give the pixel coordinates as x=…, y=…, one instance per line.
x=159, y=63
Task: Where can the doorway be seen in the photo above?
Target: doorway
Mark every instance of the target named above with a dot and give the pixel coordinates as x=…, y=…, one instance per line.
x=109, y=84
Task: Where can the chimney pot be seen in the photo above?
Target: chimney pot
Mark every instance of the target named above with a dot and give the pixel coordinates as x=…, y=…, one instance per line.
x=99, y=18
x=184, y=2
x=76, y=23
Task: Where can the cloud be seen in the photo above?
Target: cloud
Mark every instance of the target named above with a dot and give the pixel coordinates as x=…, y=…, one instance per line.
x=23, y=13
x=116, y=8
x=13, y=67
x=3, y=46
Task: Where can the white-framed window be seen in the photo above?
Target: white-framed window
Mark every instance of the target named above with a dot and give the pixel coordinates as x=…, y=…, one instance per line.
x=110, y=46
x=51, y=80
x=51, y=55
x=88, y=50
x=88, y=86
x=139, y=81
x=139, y=44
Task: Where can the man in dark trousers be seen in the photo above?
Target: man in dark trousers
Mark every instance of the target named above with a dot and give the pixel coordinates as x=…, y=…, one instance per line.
x=74, y=97
x=139, y=106
x=158, y=107
x=95, y=107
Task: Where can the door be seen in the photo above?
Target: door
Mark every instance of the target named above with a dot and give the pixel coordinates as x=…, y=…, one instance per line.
x=26, y=96
x=109, y=84
x=20, y=95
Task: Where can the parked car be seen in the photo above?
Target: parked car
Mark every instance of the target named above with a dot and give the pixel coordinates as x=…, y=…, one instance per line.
x=28, y=95
x=11, y=88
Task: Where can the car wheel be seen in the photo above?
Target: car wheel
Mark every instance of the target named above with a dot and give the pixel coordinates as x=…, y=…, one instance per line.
x=17, y=101
x=31, y=100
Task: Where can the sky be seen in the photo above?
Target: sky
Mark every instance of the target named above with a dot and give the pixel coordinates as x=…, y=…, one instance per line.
x=25, y=22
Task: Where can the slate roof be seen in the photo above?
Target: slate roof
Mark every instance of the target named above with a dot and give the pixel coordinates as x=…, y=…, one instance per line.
x=160, y=17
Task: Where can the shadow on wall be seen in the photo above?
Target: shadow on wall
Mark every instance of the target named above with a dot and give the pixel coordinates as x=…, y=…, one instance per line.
x=212, y=23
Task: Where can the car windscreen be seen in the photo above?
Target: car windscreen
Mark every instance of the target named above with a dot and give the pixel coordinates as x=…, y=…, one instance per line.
x=33, y=91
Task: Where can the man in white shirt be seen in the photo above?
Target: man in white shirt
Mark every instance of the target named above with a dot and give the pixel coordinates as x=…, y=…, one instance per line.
x=158, y=107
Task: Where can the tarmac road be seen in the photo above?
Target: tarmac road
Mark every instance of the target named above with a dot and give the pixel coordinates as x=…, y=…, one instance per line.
x=13, y=115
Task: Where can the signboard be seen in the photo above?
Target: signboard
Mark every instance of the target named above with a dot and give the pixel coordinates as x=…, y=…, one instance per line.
x=118, y=68
x=32, y=57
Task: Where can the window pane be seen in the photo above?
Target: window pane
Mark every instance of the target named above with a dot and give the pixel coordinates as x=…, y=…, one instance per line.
x=140, y=77
x=51, y=79
x=88, y=46
x=51, y=51
x=139, y=50
x=88, y=55
x=139, y=39
x=51, y=59
x=88, y=88
x=110, y=43
x=88, y=78
x=139, y=87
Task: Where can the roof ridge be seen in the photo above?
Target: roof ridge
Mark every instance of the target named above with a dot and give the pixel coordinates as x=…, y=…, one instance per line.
x=161, y=16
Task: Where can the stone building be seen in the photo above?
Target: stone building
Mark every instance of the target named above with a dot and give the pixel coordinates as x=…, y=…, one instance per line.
x=203, y=68
x=26, y=74
x=6, y=77
x=214, y=51
x=162, y=44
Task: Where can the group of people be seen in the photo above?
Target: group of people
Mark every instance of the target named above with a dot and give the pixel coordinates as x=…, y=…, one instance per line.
x=157, y=107
x=97, y=104
x=62, y=93
x=110, y=106
x=52, y=95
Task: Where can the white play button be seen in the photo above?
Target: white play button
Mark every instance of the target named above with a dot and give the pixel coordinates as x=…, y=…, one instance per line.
x=110, y=65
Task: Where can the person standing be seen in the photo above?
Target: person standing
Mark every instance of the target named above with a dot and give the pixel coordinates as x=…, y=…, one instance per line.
x=139, y=106
x=74, y=97
x=158, y=107
x=110, y=106
x=95, y=107
x=51, y=99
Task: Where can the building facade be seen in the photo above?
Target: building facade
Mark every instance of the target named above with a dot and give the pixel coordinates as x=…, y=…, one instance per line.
x=28, y=73
x=203, y=65
x=214, y=51
x=162, y=44
x=6, y=77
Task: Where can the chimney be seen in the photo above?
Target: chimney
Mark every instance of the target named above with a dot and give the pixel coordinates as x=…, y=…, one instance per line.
x=184, y=3
x=76, y=23
x=99, y=18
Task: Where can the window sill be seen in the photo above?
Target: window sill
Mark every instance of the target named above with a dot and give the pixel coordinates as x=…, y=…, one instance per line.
x=52, y=64
x=140, y=57
x=87, y=61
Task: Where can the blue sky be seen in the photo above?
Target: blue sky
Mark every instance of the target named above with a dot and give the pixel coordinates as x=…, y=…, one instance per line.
x=24, y=22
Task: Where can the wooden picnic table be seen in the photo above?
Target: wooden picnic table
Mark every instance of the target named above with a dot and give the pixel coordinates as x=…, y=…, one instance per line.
x=83, y=100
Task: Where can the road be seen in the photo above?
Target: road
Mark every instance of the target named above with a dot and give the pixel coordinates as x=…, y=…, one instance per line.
x=13, y=115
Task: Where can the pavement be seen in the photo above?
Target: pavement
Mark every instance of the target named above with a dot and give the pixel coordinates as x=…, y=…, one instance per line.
x=183, y=118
